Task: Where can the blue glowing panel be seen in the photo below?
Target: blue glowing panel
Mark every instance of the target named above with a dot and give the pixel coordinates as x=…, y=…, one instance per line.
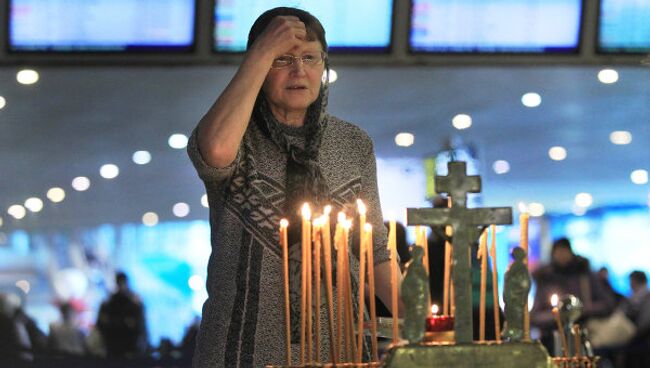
x=359, y=25
x=495, y=26
x=101, y=25
x=624, y=26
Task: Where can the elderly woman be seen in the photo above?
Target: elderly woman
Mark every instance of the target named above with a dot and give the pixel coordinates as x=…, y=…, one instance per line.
x=266, y=146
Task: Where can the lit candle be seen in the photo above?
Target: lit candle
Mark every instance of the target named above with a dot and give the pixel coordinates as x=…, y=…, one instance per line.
x=495, y=283
x=317, y=232
x=362, y=297
x=287, y=303
x=371, y=297
x=482, y=255
x=437, y=323
x=340, y=284
x=304, y=305
x=347, y=225
x=560, y=328
x=394, y=269
x=523, y=220
x=327, y=255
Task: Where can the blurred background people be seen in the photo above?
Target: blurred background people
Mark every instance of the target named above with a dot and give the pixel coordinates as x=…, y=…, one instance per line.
x=637, y=309
x=121, y=322
x=567, y=273
x=66, y=337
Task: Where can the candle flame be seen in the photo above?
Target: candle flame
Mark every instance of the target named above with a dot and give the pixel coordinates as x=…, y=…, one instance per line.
x=341, y=217
x=327, y=210
x=434, y=309
x=554, y=300
x=306, y=211
x=319, y=221
x=347, y=224
x=361, y=207
x=367, y=227
x=284, y=223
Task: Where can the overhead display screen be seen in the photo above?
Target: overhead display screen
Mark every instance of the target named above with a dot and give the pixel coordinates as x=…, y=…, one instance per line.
x=624, y=26
x=101, y=25
x=354, y=26
x=495, y=26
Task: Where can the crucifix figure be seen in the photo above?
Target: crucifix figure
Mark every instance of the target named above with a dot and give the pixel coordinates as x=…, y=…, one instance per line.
x=467, y=224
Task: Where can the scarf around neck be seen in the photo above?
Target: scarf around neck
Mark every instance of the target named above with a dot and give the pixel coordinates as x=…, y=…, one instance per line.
x=304, y=179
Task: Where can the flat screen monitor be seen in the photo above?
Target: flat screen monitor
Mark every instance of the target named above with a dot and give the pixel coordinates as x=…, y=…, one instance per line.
x=624, y=26
x=101, y=25
x=350, y=25
x=495, y=26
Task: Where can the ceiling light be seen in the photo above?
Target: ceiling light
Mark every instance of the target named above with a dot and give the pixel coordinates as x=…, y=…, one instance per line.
x=1, y=221
x=181, y=209
x=584, y=200
x=109, y=171
x=333, y=76
x=404, y=139
x=639, y=176
x=80, y=183
x=620, y=137
x=531, y=99
x=536, y=209
x=150, y=219
x=462, y=121
x=501, y=166
x=27, y=76
x=204, y=201
x=608, y=76
x=34, y=204
x=17, y=211
x=141, y=157
x=3, y=102
x=56, y=194
x=557, y=153
x=177, y=141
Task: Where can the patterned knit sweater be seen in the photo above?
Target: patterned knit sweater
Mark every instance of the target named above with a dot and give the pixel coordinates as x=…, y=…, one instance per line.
x=243, y=318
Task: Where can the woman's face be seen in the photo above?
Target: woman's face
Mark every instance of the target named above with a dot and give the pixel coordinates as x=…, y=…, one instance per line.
x=293, y=88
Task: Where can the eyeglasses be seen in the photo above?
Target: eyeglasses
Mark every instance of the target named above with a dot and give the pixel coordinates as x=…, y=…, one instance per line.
x=309, y=60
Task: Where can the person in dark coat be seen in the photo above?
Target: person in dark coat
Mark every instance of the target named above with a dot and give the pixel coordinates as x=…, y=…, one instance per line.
x=121, y=322
x=567, y=273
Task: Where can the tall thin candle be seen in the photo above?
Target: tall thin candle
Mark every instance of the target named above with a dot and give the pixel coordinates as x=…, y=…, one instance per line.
x=523, y=220
x=327, y=257
x=483, y=256
x=317, y=232
x=347, y=225
x=306, y=238
x=362, y=296
x=287, y=303
x=340, y=285
x=394, y=269
x=371, y=297
x=495, y=283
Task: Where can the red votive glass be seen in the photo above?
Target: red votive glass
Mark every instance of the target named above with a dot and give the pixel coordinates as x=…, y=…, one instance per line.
x=440, y=323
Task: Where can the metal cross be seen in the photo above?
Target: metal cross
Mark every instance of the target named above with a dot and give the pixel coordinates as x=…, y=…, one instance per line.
x=467, y=223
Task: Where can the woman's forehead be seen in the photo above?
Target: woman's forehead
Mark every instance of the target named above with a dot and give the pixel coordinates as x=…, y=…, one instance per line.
x=307, y=46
